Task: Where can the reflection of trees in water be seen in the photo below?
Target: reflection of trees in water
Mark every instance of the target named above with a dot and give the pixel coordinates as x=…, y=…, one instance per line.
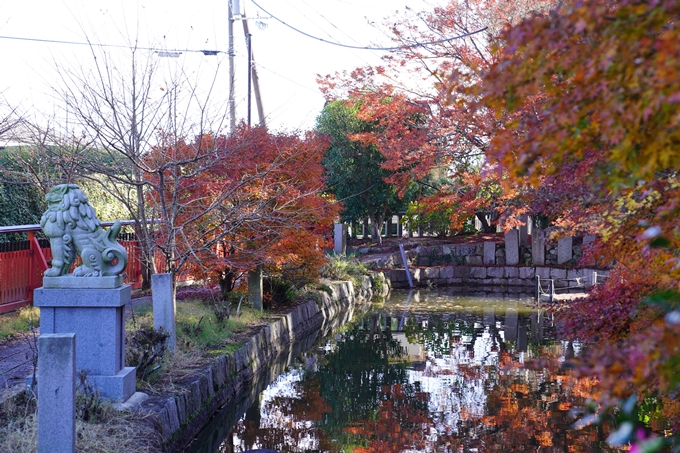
x=490, y=381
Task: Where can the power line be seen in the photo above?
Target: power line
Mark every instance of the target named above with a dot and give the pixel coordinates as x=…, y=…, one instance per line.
x=406, y=46
x=120, y=46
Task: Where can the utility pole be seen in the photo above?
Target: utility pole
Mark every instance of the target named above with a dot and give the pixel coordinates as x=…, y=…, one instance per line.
x=249, y=45
x=253, y=74
x=253, y=80
x=232, y=104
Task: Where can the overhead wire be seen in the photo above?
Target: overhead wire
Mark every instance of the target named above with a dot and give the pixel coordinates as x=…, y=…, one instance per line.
x=120, y=46
x=348, y=46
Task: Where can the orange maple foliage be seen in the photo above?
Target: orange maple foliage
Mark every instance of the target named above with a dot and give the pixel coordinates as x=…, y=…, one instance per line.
x=241, y=200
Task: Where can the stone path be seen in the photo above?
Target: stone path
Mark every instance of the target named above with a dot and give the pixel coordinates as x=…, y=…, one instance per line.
x=16, y=361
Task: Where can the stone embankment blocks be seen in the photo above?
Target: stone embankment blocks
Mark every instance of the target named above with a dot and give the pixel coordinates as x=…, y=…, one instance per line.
x=503, y=276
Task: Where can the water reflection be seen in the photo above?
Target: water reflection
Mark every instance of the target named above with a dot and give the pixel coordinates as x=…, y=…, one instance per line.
x=427, y=372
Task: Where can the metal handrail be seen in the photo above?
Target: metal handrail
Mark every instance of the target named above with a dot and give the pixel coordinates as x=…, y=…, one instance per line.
x=552, y=288
x=37, y=227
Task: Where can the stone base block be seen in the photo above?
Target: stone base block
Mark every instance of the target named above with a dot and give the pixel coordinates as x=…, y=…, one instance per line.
x=116, y=388
x=70, y=281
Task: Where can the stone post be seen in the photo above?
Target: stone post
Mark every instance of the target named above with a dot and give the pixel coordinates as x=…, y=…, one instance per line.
x=524, y=231
x=512, y=247
x=489, y=252
x=164, y=307
x=57, y=393
x=564, y=250
x=339, y=239
x=538, y=246
x=255, y=288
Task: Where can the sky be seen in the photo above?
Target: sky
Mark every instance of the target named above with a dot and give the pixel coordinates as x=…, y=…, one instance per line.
x=287, y=61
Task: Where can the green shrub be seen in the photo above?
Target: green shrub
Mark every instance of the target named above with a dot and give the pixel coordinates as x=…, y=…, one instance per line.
x=339, y=267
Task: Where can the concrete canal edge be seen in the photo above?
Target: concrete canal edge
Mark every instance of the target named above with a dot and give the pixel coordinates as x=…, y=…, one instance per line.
x=180, y=416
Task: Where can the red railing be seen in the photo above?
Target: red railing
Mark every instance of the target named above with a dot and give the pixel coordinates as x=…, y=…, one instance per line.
x=21, y=269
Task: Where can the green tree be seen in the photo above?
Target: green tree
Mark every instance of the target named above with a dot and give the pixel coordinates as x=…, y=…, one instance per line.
x=354, y=170
x=20, y=204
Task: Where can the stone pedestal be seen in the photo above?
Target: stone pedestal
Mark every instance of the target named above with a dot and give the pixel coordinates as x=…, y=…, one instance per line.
x=97, y=316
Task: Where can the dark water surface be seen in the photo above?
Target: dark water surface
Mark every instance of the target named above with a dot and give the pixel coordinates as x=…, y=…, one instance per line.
x=427, y=371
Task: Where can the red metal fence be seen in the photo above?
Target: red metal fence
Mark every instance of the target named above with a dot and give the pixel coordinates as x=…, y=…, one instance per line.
x=23, y=263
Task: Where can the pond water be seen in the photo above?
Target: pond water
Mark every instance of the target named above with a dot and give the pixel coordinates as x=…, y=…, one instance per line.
x=427, y=371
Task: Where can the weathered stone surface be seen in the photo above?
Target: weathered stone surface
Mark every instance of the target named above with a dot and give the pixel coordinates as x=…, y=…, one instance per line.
x=510, y=272
x=527, y=272
x=512, y=247
x=474, y=260
x=96, y=316
x=255, y=287
x=477, y=272
x=86, y=237
x=57, y=391
x=494, y=272
x=70, y=281
x=446, y=272
x=538, y=246
x=558, y=273
x=489, y=252
x=465, y=249
x=543, y=272
x=462, y=272
x=85, y=297
x=164, y=309
x=564, y=250
x=523, y=231
x=340, y=238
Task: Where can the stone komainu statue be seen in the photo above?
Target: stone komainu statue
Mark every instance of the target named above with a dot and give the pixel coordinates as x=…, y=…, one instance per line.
x=72, y=227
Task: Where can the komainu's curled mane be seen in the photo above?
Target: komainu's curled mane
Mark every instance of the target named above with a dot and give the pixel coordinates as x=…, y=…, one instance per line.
x=73, y=228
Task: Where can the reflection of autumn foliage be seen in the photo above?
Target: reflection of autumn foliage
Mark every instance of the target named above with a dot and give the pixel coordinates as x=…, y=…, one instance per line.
x=399, y=424
x=287, y=422
x=492, y=397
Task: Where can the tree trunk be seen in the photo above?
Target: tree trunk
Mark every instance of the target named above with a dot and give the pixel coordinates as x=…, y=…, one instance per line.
x=486, y=226
x=376, y=225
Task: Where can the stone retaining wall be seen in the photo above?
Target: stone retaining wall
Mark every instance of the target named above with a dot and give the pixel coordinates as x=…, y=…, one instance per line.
x=182, y=415
x=510, y=276
x=568, y=250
